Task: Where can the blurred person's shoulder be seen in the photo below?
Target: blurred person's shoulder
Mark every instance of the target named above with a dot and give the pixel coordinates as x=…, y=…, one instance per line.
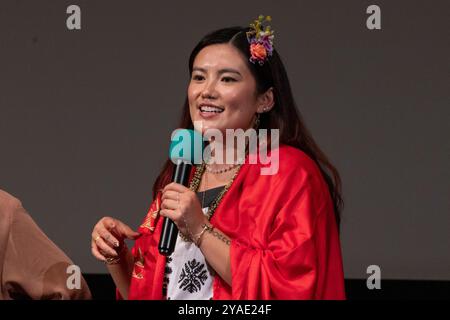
x=9, y=205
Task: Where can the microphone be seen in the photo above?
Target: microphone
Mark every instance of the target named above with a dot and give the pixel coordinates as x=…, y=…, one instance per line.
x=185, y=149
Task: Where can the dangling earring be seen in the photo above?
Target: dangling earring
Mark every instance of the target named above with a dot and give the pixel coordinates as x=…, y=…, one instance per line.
x=256, y=124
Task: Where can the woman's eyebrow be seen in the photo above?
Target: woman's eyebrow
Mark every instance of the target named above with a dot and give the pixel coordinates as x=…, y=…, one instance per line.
x=229, y=70
x=221, y=71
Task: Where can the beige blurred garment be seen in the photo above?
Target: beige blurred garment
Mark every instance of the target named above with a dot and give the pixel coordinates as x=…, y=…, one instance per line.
x=31, y=265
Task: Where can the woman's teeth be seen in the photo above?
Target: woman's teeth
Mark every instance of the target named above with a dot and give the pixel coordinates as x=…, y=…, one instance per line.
x=210, y=109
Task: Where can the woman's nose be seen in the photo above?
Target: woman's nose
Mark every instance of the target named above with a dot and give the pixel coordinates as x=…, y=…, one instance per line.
x=209, y=90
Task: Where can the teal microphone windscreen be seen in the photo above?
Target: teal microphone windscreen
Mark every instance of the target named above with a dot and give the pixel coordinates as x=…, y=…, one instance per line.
x=187, y=145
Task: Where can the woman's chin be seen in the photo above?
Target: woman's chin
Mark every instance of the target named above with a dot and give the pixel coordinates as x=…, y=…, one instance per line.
x=202, y=125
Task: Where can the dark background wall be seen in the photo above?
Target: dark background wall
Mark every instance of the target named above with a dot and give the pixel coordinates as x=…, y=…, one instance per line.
x=86, y=116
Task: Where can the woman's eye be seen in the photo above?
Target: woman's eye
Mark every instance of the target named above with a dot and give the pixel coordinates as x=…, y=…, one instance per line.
x=228, y=79
x=197, y=77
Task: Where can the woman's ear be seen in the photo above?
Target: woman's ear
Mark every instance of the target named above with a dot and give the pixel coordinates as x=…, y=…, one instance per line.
x=265, y=101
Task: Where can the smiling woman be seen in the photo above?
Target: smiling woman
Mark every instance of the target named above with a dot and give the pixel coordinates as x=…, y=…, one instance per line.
x=222, y=91
x=242, y=235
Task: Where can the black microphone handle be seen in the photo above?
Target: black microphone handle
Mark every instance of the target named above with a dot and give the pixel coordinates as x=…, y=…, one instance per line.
x=169, y=231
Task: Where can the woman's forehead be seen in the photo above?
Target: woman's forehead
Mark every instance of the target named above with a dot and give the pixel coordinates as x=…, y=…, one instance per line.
x=220, y=56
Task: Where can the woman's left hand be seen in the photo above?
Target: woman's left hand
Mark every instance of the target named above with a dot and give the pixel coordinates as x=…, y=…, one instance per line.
x=181, y=205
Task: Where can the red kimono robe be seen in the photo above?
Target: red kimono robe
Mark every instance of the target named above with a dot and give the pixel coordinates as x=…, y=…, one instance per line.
x=285, y=242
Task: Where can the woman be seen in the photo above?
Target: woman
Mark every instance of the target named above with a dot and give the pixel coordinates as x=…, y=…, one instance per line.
x=249, y=236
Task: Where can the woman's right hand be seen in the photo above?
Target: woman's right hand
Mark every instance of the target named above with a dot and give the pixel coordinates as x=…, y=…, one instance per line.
x=108, y=238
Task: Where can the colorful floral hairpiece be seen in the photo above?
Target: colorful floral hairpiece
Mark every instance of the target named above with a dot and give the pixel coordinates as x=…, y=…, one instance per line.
x=261, y=40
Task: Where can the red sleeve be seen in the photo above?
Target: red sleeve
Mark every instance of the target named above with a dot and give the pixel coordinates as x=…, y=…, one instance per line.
x=301, y=253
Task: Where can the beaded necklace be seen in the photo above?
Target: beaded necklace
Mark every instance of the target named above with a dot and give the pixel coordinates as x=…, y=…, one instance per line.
x=195, y=183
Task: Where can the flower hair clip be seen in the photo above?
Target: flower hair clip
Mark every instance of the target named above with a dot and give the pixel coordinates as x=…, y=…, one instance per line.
x=261, y=40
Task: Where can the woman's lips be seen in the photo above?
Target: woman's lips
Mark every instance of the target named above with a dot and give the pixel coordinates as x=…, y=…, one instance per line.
x=208, y=111
x=208, y=115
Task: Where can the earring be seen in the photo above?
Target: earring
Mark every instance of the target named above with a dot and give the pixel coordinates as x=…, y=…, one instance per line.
x=256, y=124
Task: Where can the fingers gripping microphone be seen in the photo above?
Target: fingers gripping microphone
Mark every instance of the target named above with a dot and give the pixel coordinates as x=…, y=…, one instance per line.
x=170, y=231
x=185, y=150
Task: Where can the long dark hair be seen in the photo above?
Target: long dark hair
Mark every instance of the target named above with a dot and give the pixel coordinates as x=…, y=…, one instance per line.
x=283, y=116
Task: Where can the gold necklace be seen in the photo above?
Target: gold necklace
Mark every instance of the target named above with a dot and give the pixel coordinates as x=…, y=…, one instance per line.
x=219, y=171
x=204, y=192
x=195, y=183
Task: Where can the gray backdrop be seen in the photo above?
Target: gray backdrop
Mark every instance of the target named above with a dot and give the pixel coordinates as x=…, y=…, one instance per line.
x=86, y=116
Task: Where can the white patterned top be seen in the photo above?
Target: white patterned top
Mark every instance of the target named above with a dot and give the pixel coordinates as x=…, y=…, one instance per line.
x=188, y=276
